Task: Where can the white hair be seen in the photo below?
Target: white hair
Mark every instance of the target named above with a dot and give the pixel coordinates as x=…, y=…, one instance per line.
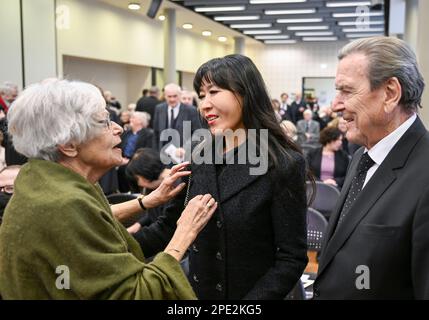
x=144, y=117
x=54, y=112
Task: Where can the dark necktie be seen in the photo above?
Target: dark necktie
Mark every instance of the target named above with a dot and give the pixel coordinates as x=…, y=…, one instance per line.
x=364, y=164
x=171, y=125
x=307, y=126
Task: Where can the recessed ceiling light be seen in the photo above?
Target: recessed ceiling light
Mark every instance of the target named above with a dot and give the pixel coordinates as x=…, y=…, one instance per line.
x=134, y=6
x=363, y=30
x=279, y=41
x=300, y=28
x=217, y=9
x=321, y=33
x=275, y=1
x=275, y=37
x=359, y=14
x=161, y=17
x=362, y=35
x=298, y=11
x=360, y=24
x=319, y=38
x=299, y=20
x=187, y=26
x=348, y=4
x=222, y=39
x=206, y=33
x=233, y=18
x=251, y=25
x=262, y=31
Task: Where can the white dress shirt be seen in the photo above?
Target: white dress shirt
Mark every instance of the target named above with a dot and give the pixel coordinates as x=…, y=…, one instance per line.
x=176, y=110
x=380, y=151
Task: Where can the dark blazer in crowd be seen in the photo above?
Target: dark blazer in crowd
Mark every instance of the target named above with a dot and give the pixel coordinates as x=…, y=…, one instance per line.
x=144, y=139
x=254, y=246
x=313, y=129
x=148, y=104
x=341, y=162
x=385, y=231
x=186, y=113
x=297, y=114
x=12, y=157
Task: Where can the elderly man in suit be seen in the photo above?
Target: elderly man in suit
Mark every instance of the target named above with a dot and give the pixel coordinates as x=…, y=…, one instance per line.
x=172, y=114
x=377, y=243
x=308, y=129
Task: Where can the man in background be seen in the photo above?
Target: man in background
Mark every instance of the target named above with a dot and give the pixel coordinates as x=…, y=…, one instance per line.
x=148, y=103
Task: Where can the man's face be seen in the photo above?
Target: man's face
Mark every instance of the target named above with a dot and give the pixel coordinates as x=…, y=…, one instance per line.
x=172, y=97
x=362, y=108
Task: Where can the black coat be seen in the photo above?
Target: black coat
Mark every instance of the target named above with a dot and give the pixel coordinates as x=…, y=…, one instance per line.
x=148, y=104
x=254, y=247
x=341, y=160
x=144, y=139
x=385, y=230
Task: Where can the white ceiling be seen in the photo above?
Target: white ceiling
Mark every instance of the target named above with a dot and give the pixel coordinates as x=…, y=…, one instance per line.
x=184, y=15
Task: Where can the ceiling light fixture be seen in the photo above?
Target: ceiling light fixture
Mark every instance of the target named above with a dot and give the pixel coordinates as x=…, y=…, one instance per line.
x=279, y=41
x=301, y=28
x=222, y=39
x=309, y=20
x=298, y=11
x=253, y=25
x=306, y=34
x=233, y=18
x=218, y=9
x=354, y=14
x=319, y=39
x=275, y=1
x=262, y=31
x=206, y=33
x=363, y=30
x=362, y=35
x=360, y=24
x=347, y=4
x=275, y=37
x=134, y=6
x=187, y=26
x=161, y=17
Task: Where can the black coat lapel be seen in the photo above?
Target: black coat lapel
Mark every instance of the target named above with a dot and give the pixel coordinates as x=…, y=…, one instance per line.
x=376, y=186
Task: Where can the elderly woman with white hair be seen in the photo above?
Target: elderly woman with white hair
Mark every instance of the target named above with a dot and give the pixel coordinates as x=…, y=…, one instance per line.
x=59, y=238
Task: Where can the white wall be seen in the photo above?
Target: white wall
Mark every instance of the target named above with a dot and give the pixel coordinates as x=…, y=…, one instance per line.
x=100, y=31
x=10, y=40
x=283, y=66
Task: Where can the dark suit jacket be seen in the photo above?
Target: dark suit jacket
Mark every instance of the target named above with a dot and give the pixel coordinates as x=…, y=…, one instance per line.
x=298, y=115
x=186, y=113
x=148, y=104
x=385, y=230
x=341, y=159
x=254, y=246
x=144, y=139
x=313, y=130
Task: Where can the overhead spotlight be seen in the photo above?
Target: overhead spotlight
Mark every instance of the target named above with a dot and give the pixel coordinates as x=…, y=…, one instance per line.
x=134, y=6
x=206, y=33
x=161, y=17
x=187, y=26
x=222, y=39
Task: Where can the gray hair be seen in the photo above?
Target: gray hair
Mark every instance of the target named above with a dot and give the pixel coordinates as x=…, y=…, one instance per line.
x=54, y=112
x=7, y=88
x=390, y=57
x=144, y=117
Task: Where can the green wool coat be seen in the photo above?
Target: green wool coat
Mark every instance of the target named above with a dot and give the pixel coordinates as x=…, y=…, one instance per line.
x=59, y=240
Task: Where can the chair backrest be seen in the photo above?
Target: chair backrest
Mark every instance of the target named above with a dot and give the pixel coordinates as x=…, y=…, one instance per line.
x=316, y=228
x=325, y=199
x=122, y=197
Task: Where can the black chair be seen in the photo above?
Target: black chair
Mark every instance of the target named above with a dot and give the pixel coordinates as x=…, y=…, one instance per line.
x=122, y=197
x=325, y=199
x=316, y=228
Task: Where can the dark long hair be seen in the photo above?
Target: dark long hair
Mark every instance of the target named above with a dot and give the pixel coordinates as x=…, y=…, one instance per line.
x=238, y=74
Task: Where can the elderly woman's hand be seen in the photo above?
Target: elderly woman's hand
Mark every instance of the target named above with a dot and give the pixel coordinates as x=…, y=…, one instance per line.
x=167, y=190
x=193, y=219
